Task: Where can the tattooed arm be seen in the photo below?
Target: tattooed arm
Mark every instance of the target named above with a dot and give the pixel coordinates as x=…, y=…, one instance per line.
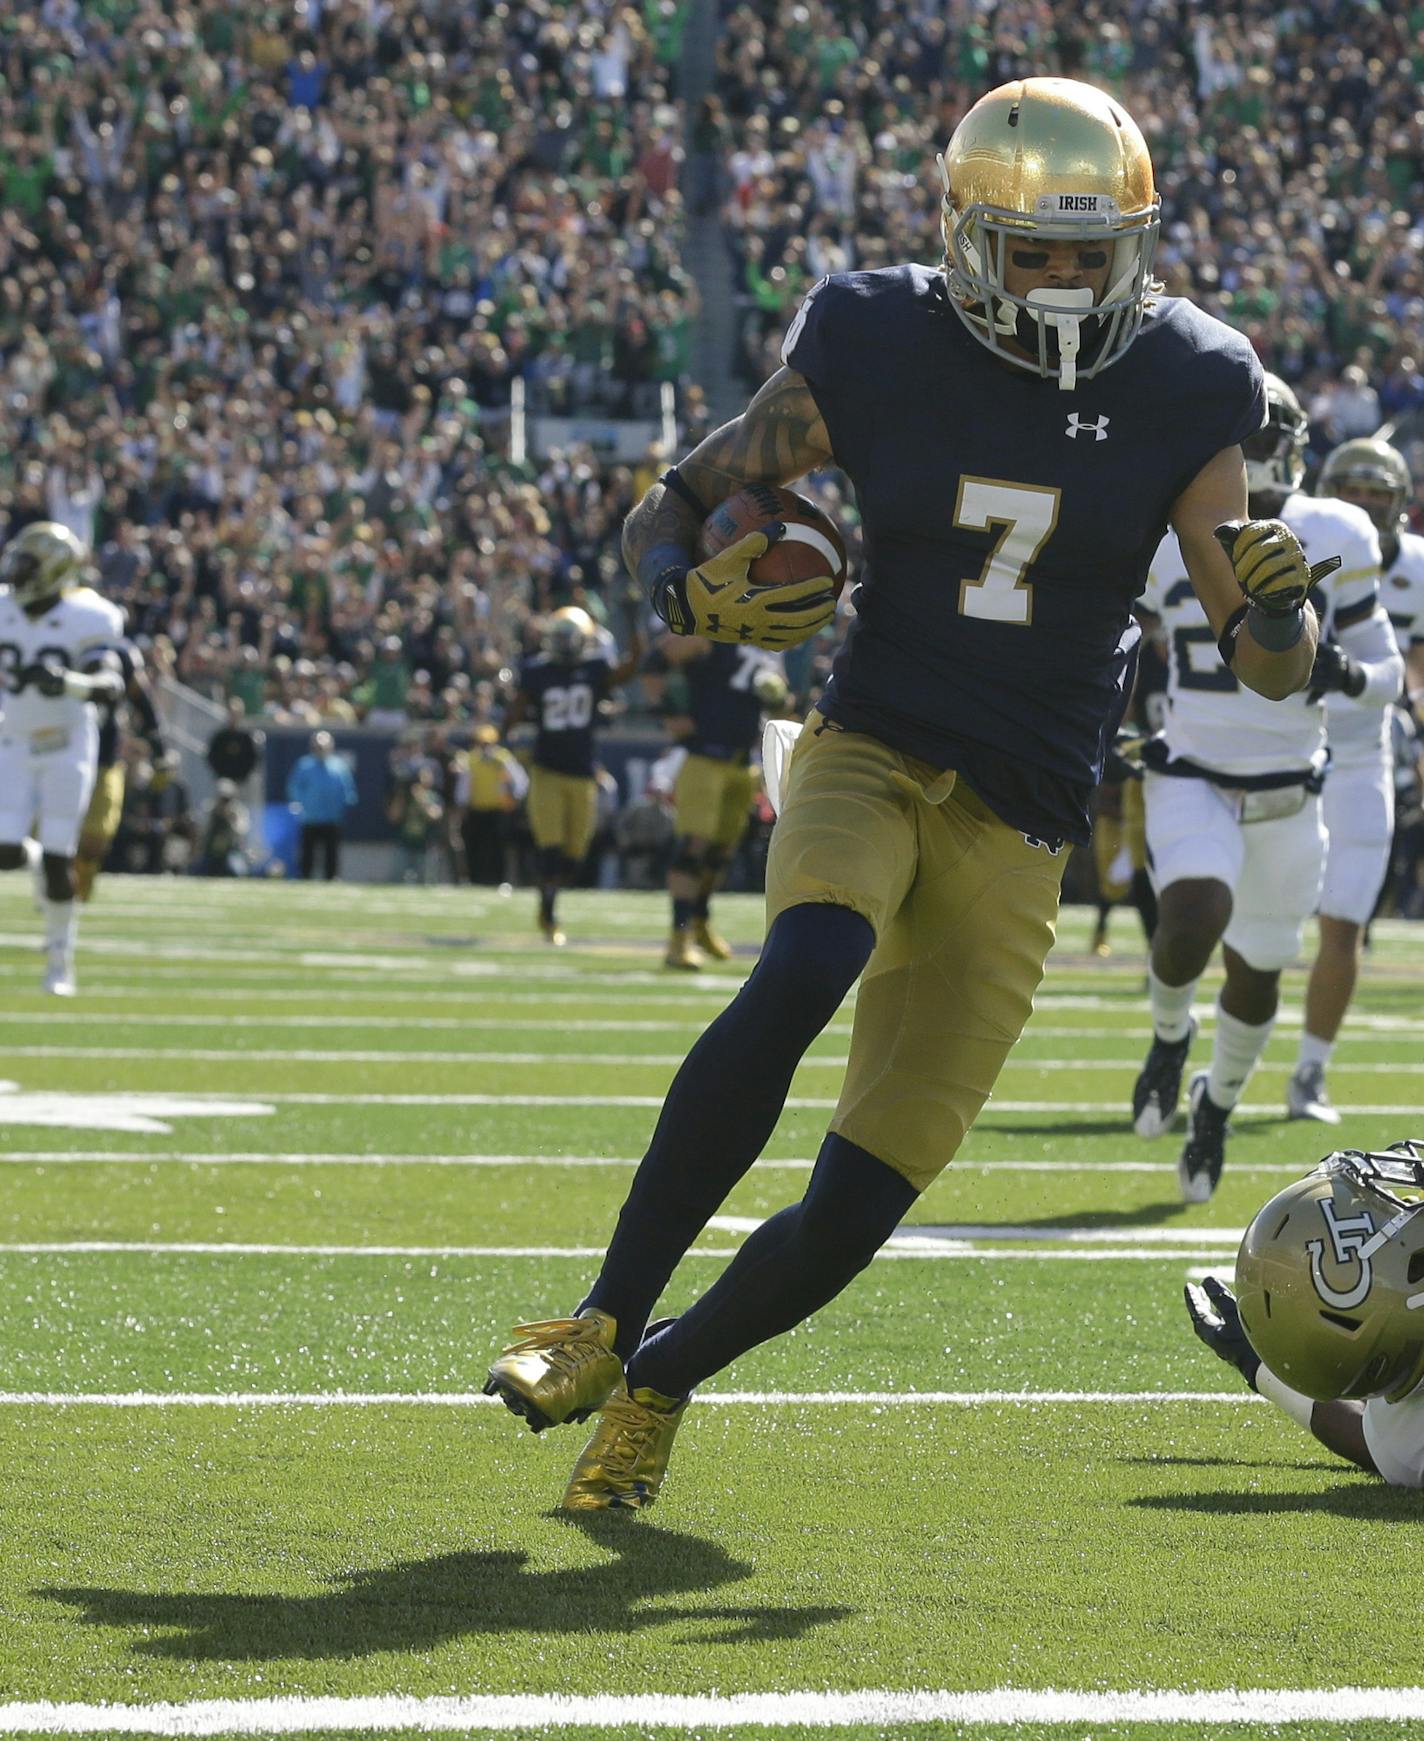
x=778, y=438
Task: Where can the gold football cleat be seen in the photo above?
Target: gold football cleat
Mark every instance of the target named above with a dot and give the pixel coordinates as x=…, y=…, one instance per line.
x=559, y=1370
x=552, y=933
x=683, y=953
x=622, y=1466
x=710, y=942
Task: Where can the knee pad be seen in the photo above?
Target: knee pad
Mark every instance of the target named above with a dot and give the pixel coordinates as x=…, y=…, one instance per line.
x=58, y=877
x=714, y=859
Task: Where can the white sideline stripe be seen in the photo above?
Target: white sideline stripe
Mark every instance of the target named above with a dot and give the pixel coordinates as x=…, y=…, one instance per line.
x=803, y=1103
x=550, y=1024
x=280, y=1158
x=492, y=1712
x=259, y=1158
x=901, y=1249
x=603, y=1060
x=664, y=997
x=286, y=1158
x=279, y=1018
x=463, y=1399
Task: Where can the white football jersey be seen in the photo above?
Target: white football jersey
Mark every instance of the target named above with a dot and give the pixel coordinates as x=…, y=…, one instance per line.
x=76, y=627
x=1356, y=731
x=1213, y=719
x=1394, y=1433
x=1402, y=591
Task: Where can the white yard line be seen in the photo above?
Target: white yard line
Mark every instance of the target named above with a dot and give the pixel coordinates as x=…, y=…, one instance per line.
x=804, y=1103
x=488, y=1713
x=145, y=1399
x=930, y=1248
x=603, y=1060
x=281, y=1158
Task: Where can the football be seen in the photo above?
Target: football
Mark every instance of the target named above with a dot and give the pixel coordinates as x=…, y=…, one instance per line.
x=812, y=546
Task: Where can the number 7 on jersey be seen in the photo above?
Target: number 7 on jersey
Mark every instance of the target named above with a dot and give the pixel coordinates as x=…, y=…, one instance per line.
x=1027, y=516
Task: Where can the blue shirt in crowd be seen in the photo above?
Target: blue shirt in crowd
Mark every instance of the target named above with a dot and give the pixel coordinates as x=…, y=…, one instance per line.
x=321, y=788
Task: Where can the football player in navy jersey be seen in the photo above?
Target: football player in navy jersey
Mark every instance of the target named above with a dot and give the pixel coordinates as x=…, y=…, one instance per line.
x=1020, y=425
x=135, y=710
x=560, y=689
x=717, y=721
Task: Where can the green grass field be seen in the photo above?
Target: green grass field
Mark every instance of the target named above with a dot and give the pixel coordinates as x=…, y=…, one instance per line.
x=279, y=1180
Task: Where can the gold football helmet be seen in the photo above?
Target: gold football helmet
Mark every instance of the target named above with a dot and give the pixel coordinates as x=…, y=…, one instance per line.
x=1062, y=162
x=568, y=634
x=39, y=562
x=1376, y=465
x=1330, y=1276
x=1275, y=454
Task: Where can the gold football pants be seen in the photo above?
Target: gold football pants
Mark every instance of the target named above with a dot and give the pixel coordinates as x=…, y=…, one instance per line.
x=1112, y=833
x=963, y=910
x=712, y=800
x=562, y=811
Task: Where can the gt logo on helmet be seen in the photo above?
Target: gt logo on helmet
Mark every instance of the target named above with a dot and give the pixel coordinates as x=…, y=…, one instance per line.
x=1349, y=1235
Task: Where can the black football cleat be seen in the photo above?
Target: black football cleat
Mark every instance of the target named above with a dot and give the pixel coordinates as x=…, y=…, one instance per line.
x=1204, y=1152
x=1159, y=1084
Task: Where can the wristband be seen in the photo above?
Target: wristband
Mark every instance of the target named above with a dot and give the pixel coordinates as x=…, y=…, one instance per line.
x=1226, y=642
x=1301, y=1409
x=1276, y=633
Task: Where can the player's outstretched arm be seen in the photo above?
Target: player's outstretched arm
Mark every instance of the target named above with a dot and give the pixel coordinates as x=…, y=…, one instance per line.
x=1250, y=594
x=777, y=439
x=1338, y=1425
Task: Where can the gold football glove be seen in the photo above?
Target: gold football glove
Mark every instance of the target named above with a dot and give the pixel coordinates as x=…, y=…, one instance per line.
x=717, y=600
x=1270, y=564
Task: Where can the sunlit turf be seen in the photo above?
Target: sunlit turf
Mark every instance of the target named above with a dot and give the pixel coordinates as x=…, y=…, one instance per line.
x=196, y=1552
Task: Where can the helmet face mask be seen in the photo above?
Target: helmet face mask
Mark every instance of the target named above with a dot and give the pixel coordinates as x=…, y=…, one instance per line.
x=1330, y=1277
x=1275, y=454
x=1372, y=466
x=1049, y=161
x=39, y=562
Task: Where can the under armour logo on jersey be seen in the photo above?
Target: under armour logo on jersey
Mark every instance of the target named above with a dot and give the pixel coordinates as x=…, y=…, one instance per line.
x=1097, y=427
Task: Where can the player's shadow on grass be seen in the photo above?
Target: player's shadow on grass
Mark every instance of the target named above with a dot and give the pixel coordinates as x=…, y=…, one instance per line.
x=1367, y=1500
x=417, y=1604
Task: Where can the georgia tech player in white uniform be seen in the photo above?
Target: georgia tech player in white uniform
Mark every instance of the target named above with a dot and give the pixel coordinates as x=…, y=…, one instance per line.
x=1359, y=793
x=1235, y=840
x=55, y=662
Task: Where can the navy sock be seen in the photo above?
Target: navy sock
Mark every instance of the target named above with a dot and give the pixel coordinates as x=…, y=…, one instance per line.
x=681, y=914
x=724, y=1103
x=702, y=907
x=790, y=1267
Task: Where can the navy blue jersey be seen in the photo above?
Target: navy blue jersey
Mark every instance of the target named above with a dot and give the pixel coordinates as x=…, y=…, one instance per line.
x=111, y=720
x=563, y=702
x=722, y=699
x=1008, y=527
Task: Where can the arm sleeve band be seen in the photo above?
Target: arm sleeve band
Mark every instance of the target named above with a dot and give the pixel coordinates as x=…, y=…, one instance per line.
x=672, y=479
x=1291, y=1402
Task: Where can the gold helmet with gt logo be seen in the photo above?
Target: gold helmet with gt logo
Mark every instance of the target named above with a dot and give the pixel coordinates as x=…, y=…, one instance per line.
x=1371, y=465
x=39, y=562
x=1330, y=1276
x=1049, y=160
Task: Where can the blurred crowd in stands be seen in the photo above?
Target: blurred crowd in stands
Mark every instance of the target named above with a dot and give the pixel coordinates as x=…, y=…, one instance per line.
x=267, y=273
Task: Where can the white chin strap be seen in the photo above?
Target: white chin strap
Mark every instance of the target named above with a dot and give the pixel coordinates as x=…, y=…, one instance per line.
x=1063, y=311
